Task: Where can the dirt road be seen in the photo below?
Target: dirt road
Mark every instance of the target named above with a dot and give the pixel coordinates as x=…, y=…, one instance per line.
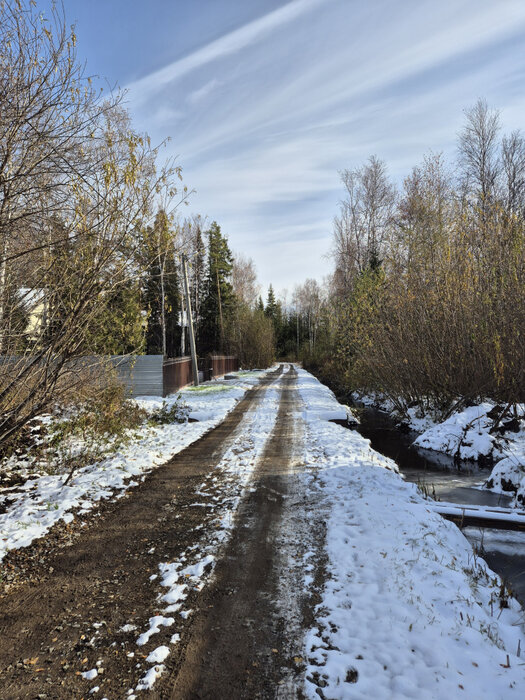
x=240, y=643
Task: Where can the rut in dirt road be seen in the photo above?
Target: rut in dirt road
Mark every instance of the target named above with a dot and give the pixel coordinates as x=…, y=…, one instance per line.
x=69, y=616
x=239, y=646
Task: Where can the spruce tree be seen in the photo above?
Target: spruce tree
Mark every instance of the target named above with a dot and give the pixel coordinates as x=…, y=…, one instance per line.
x=161, y=290
x=219, y=300
x=274, y=312
x=118, y=327
x=271, y=305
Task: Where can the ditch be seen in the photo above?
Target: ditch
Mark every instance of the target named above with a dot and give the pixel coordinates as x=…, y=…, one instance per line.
x=441, y=478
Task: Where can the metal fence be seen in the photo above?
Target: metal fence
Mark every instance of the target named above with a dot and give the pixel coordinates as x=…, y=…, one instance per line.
x=176, y=373
x=156, y=376
x=152, y=374
x=144, y=375
x=218, y=365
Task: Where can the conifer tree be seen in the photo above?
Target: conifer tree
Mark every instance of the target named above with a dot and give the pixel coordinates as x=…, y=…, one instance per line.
x=219, y=300
x=119, y=328
x=161, y=290
x=274, y=312
x=271, y=304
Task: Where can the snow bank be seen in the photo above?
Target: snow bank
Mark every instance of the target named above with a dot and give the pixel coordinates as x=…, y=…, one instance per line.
x=407, y=610
x=32, y=509
x=466, y=435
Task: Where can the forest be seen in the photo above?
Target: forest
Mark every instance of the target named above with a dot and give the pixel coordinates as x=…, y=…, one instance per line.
x=426, y=299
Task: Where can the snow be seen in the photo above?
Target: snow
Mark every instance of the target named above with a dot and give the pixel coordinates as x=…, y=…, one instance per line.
x=226, y=486
x=128, y=628
x=155, y=623
x=158, y=655
x=408, y=610
x=465, y=433
x=148, y=680
x=503, y=514
x=43, y=501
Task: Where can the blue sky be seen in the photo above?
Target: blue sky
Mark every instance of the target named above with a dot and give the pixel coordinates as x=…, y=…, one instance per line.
x=266, y=101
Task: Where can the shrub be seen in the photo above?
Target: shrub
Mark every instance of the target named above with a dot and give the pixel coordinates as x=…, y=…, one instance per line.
x=176, y=412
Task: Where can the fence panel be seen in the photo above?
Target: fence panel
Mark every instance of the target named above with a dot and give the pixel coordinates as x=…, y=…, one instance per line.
x=142, y=375
x=177, y=373
x=222, y=364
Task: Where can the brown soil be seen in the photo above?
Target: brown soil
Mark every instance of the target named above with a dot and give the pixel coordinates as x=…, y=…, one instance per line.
x=66, y=611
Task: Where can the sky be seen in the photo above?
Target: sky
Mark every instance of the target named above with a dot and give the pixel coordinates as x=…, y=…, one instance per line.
x=267, y=101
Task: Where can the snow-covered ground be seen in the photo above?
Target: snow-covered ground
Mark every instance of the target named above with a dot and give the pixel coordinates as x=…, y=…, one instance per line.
x=33, y=508
x=408, y=610
x=467, y=434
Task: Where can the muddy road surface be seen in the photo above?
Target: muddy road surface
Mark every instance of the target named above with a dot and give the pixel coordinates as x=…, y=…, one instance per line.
x=70, y=608
x=240, y=645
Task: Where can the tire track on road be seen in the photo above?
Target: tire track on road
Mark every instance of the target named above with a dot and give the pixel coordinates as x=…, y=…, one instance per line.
x=237, y=639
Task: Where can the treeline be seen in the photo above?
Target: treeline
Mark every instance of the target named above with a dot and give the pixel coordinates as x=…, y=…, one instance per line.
x=427, y=299
x=223, y=293
x=299, y=322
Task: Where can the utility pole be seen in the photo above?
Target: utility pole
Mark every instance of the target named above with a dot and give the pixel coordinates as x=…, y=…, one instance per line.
x=162, y=303
x=297, y=317
x=220, y=308
x=183, y=318
x=194, y=367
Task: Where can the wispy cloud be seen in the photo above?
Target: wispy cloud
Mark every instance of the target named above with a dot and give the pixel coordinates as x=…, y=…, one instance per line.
x=231, y=43
x=204, y=91
x=321, y=85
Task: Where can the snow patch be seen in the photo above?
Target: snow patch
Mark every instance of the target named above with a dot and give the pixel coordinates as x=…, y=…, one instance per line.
x=158, y=655
x=148, y=680
x=44, y=500
x=155, y=623
x=89, y=675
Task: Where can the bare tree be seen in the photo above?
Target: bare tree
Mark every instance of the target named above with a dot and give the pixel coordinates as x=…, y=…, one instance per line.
x=361, y=229
x=77, y=185
x=244, y=280
x=423, y=220
x=191, y=242
x=478, y=150
x=513, y=163
x=309, y=300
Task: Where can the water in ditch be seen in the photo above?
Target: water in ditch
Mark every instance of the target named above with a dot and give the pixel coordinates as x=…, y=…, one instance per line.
x=443, y=479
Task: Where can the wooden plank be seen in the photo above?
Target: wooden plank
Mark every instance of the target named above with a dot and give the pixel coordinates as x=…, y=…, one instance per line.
x=481, y=516
x=476, y=521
